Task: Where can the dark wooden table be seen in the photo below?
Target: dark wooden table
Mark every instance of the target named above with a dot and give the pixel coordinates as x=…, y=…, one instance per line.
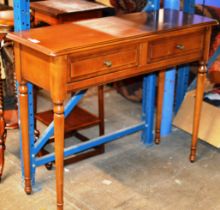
x=99, y=51
x=59, y=11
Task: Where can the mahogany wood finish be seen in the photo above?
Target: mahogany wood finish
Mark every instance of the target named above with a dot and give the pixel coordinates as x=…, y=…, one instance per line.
x=96, y=42
x=59, y=11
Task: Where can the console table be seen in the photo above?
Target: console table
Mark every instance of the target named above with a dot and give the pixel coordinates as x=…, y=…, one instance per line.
x=99, y=51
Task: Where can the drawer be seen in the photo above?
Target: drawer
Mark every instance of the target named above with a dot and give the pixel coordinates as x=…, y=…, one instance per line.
x=101, y=62
x=174, y=46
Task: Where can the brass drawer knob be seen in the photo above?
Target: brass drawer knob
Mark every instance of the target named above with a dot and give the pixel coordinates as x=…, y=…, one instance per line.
x=108, y=63
x=180, y=47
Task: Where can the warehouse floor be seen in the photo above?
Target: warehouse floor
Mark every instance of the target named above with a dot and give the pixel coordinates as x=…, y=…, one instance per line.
x=129, y=176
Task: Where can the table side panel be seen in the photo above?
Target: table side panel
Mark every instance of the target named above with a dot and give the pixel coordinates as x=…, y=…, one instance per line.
x=35, y=67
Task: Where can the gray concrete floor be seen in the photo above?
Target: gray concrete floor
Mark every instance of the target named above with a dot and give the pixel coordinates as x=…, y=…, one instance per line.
x=129, y=176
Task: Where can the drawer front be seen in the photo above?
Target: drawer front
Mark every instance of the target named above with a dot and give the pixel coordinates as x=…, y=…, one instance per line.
x=174, y=46
x=102, y=62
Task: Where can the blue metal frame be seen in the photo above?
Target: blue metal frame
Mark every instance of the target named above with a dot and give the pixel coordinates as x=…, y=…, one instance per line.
x=22, y=22
x=152, y=5
x=189, y=6
x=182, y=78
x=92, y=143
x=31, y=129
x=148, y=99
x=183, y=71
x=181, y=86
x=168, y=100
x=214, y=3
x=21, y=15
x=149, y=90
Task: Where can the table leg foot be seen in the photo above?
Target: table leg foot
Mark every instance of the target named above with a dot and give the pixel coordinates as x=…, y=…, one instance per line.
x=28, y=187
x=28, y=190
x=192, y=156
x=59, y=206
x=157, y=137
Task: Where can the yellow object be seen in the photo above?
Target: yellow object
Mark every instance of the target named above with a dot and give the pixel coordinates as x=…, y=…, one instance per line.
x=105, y=2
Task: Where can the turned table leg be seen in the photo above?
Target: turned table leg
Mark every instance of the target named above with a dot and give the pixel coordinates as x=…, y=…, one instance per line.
x=197, y=108
x=23, y=96
x=160, y=92
x=59, y=151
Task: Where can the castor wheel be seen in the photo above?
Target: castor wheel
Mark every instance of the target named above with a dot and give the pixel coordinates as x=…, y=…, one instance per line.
x=49, y=166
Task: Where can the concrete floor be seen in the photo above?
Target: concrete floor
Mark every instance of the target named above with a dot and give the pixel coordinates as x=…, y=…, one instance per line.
x=129, y=176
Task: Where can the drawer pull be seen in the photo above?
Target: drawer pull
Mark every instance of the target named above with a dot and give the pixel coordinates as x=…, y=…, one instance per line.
x=180, y=47
x=108, y=63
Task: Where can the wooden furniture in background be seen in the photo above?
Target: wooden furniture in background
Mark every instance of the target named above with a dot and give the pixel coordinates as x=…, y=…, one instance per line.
x=99, y=51
x=59, y=11
x=5, y=6
x=8, y=118
x=214, y=72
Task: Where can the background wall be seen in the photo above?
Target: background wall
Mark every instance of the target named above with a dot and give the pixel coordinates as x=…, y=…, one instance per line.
x=215, y=3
